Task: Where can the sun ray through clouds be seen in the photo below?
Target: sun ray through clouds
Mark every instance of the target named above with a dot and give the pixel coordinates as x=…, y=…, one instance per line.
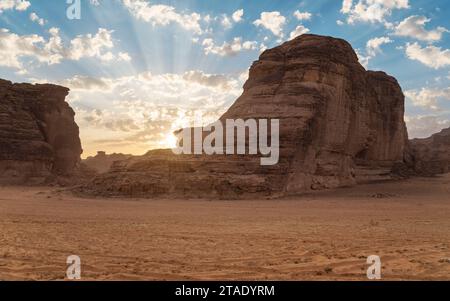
x=126, y=60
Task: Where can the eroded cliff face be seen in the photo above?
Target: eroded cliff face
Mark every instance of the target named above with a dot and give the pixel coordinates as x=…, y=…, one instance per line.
x=339, y=125
x=431, y=156
x=39, y=138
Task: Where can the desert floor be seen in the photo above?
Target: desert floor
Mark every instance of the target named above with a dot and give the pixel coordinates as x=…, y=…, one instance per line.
x=321, y=236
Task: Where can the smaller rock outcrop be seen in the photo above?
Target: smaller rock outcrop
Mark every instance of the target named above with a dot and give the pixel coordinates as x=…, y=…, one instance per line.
x=102, y=162
x=431, y=156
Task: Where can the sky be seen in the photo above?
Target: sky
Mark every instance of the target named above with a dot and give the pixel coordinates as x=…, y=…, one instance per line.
x=140, y=69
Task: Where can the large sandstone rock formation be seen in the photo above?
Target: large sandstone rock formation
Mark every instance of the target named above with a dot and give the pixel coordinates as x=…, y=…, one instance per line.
x=431, y=156
x=339, y=125
x=38, y=136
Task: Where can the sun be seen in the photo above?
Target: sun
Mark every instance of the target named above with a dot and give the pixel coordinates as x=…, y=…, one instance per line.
x=170, y=141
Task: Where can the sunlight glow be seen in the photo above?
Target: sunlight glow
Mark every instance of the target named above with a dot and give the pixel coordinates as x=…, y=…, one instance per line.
x=170, y=141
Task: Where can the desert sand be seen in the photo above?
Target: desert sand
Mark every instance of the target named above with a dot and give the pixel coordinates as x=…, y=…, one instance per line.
x=321, y=236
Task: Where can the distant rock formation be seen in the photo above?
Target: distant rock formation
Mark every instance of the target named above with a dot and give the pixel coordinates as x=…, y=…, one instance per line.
x=431, y=156
x=102, y=162
x=39, y=138
x=339, y=125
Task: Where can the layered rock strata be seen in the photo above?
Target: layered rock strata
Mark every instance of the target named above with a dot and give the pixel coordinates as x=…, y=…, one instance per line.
x=39, y=139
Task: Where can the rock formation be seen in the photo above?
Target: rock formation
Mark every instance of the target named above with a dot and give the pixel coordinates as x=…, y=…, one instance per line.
x=431, y=156
x=102, y=162
x=339, y=125
x=39, y=138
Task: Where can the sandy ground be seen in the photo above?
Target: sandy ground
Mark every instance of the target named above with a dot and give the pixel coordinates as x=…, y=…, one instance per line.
x=327, y=235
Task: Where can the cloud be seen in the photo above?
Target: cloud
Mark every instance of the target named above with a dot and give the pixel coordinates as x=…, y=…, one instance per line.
x=92, y=46
x=15, y=48
x=371, y=11
x=136, y=113
x=301, y=16
x=299, y=30
x=14, y=5
x=425, y=126
x=237, y=15
x=346, y=6
x=428, y=97
x=227, y=22
x=208, y=80
x=159, y=14
x=272, y=21
x=363, y=59
x=228, y=48
x=430, y=56
x=35, y=18
x=414, y=27
x=124, y=56
x=373, y=46
x=86, y=83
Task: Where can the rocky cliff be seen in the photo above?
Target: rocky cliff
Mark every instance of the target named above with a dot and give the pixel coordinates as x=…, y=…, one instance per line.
x=431, y=156
x=339, y=125
x=39, y=138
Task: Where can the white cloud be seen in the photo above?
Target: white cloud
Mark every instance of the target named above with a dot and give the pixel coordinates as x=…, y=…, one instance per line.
x=373, y=46
x=136, y=113
x=209, y=80
x=301, y=16
x=347, y=6
x=160, y=14
x=15, y=48
x=124, y=56
x=226, y=22
x=14, y=5
x=237, y=15
x=372, y=11
x=299, y=30
x=92, y=45
x=414, y=27
x=428, y=97
x=228, y=48
x=35, y=18
x=85, y=83
x=430, y=56
x=363, y=59
x=272, y=21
